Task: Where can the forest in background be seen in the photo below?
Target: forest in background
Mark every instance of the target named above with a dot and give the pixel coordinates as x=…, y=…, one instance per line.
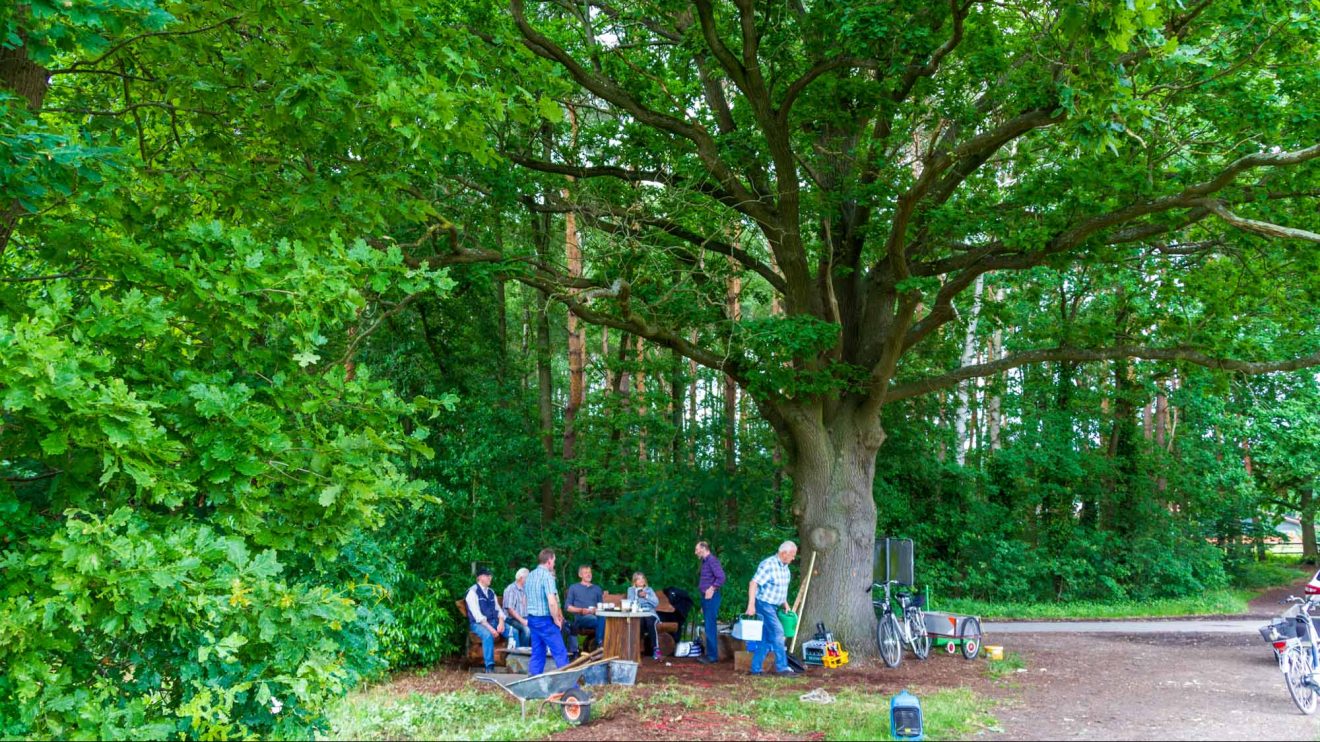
x=306, y=309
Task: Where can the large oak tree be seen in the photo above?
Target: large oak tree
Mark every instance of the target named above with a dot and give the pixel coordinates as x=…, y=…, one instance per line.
x=861, y=165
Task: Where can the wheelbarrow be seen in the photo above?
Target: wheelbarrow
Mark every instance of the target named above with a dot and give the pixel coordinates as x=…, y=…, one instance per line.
x=559, y=687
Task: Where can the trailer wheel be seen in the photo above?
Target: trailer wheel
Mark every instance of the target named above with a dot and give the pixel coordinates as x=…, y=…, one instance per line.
x=971, y=636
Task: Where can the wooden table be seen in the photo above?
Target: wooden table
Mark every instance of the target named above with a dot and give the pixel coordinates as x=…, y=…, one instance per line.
x=623, y=634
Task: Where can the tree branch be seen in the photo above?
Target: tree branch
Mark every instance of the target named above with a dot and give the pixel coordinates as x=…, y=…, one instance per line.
x=733, y=192
x=1084, y=355
x=1259, y=227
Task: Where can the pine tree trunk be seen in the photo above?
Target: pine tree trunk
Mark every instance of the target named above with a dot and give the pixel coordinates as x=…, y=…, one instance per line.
x=545, y=403
x=676, y=389
x=576, y=364
x=640, y=386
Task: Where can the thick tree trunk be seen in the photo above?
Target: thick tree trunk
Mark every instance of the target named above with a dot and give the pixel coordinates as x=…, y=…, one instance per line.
x=833, y=468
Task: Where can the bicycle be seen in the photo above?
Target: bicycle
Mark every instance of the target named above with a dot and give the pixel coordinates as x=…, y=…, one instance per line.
x=890, y=634
x=1298, y=658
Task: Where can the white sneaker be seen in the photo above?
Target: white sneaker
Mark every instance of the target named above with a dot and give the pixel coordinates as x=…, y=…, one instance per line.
x=513, y=644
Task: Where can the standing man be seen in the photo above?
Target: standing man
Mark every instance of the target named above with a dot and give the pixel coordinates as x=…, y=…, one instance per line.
x=485, y=616
x=543, y=615
x=709, y=584
x=515, y=606
x=766, y=593
x=581, y=600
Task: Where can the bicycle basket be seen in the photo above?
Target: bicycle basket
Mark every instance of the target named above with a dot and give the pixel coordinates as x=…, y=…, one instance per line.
x=1282, y=628
x=912, y=601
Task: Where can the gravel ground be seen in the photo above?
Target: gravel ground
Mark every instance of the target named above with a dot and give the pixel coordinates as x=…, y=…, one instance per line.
x=1150, y=687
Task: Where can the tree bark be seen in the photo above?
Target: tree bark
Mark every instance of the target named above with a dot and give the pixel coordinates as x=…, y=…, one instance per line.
x=676, y=389
x=1306, y=510
x=545, y=403
x=639, y=384
x=833, y=468
x=733, y=310
x=963, y=415
x=30, y=81
x=576, y=340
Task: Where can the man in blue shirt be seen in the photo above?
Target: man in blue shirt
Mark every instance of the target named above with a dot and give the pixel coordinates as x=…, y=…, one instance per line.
x=543, y=615
x=766, y=593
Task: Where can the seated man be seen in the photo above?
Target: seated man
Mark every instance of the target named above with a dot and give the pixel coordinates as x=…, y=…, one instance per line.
x=486, y=617
x=515, y=606
x=581, y=601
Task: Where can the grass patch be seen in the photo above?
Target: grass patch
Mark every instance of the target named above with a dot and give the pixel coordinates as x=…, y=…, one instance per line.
x=1011, y=663
x=1273, y=572
x=460, y=715
x=858, y=715
x=1212, y=603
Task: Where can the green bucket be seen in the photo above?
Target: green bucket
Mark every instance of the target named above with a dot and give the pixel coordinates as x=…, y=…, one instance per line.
x=788, y=619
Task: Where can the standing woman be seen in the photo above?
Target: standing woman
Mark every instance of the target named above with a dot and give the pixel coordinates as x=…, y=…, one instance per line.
x=646, y=601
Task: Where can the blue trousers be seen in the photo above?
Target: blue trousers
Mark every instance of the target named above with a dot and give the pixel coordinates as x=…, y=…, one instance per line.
x=595, y=623
x=710, y=611
x=488, y=637
x=522, y=633
x=545, y=635
x=772, y=639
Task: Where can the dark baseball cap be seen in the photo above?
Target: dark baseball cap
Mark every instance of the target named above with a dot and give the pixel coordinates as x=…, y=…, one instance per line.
x=484, y=571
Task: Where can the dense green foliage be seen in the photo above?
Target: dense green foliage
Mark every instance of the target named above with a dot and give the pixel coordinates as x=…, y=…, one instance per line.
x=283, y=339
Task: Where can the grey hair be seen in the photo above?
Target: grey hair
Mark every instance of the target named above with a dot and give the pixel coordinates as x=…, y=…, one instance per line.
x=522, y=572
x=787, y=546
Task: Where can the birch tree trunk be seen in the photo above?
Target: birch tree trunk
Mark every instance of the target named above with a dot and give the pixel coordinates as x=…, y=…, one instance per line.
x=964, y=412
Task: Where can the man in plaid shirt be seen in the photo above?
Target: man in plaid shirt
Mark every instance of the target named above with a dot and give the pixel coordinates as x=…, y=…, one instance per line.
x=766, y=593
x=544, y=617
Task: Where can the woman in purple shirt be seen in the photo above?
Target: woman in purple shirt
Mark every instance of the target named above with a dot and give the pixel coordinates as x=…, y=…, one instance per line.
x=709, y=584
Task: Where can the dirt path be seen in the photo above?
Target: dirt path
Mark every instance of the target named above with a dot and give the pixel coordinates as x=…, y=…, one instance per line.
x=1150, y=687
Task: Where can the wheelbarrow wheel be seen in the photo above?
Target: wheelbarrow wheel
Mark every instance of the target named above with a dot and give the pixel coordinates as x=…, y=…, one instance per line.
x=575, y=705
x=971, y=636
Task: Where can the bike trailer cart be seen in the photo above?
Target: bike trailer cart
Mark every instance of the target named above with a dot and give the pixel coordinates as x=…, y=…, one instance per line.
x=561, y=688
x=955, y=632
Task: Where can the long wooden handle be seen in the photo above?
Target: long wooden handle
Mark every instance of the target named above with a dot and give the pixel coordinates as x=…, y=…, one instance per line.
x=802, y=601
x=806, y=582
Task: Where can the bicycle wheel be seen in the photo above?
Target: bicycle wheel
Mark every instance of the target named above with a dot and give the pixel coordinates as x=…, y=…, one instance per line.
x=971, y=637
x=918, y=637
x=1298, y=679
x=889, y=637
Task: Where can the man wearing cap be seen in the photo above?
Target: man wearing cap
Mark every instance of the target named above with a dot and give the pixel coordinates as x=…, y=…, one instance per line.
x=515, y=606
x=485, y=616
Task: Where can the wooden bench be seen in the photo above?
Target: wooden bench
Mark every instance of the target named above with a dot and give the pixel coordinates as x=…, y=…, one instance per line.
x=664, y=629
x=474, y=655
